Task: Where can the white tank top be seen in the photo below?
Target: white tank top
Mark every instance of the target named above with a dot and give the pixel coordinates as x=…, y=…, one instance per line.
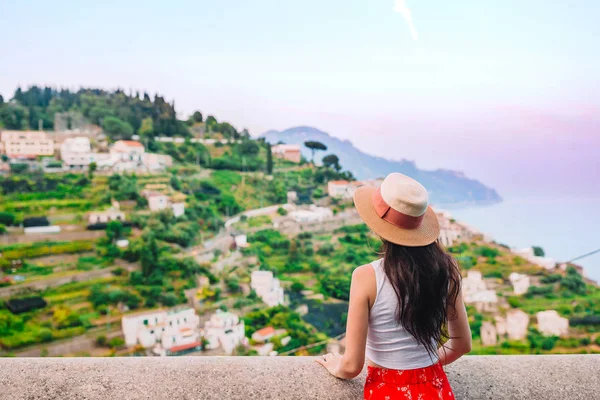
x=388, y=343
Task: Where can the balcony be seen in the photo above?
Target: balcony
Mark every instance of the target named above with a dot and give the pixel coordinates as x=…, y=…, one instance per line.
x=570, y=377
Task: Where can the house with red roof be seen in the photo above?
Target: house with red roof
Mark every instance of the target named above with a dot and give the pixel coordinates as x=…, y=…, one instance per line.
x=128, y=150
x=288, y=152
x=264, y=334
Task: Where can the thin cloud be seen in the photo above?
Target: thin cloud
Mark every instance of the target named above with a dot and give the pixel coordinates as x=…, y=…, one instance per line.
x=401, y=7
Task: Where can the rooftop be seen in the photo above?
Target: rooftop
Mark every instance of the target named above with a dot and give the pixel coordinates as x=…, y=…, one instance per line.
x=473, y=377
x=130, y=143
x=269, y=330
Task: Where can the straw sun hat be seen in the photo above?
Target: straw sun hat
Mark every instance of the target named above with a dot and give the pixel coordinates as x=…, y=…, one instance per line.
x=398, y=211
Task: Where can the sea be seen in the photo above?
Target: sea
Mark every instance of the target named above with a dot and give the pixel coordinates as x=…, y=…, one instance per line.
x=565, y=227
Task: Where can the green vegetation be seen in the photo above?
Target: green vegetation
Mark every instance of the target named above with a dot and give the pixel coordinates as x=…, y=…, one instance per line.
x=280, y=317
x=314, y=146
x=218, y=180
x=39, y=249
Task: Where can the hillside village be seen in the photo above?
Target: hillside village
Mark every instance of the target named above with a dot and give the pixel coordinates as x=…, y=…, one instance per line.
x=119, y=240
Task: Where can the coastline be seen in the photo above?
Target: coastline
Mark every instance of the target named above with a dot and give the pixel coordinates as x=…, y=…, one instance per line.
x=565, y=227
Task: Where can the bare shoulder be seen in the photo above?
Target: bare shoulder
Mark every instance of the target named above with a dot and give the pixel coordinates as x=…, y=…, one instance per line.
x=364, y=272
x=364, y=275
x=364, y=284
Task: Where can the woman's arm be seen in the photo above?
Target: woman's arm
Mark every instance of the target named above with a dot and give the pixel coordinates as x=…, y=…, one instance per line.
x=363, y=291
x=458, y=331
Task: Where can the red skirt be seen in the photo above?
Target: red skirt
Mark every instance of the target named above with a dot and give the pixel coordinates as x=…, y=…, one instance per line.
x=413, y=384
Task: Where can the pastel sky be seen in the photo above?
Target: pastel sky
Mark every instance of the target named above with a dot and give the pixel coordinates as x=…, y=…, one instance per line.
x=506, y=91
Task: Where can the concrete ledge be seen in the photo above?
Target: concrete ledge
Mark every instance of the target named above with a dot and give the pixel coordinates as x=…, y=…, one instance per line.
x=476, y=377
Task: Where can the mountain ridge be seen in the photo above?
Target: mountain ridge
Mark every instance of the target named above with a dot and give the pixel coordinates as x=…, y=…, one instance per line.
x=445, y=186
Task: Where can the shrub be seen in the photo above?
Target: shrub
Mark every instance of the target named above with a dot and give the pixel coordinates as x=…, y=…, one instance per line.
x=487, y=252
x=117, y=127
x=169, y=299
x=116, y=342
x=18, y=168
x=539, y=290
x=233, y=285
x=466, y=262
x=585, y=341
x=35, y=221
x=573, y=282
x=326, y=249
x=589, y=320
x=362, y=228
x=514, y=301
x=549, y=342
x=7, y=218
x=493, y=274
x=101, y=341
x=521, y=347
x=297, y=287
x=552, y=278
x=538, y=251
x=305, y=235
x=45, y=335
x=282, y=211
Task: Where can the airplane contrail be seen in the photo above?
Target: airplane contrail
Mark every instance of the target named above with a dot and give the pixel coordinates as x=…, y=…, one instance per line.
x=402, y=8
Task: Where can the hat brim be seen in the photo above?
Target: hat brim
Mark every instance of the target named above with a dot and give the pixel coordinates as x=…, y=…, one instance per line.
x=427, y=233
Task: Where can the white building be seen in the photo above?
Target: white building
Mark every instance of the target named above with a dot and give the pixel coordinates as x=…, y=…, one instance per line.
x=292, y=197
x=156, y=162
x=345, y=189
x=472, y=284
x=529, y=255
x=500, y=325
x=240, y=240
x=485, y=301
x=475, y=292
x=516, y=324
x=178, y=209
x=341, y=189
x=488, y=332
x=267, y=288
x=75, y=152
x=264, y=334
x=42, y=229
x=128, y=150
x=520, y=282
x=449, y=231
x=161, y=329
x=159, y=201
x=226, y=330
x=102, y=217
x=289, y=152
x=26, y=144
x=313, y=214
x=265, y=349
x=102, y=160
x=551, y=324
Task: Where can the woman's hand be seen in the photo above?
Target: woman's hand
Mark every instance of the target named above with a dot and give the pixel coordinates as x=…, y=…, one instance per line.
x=331, y=362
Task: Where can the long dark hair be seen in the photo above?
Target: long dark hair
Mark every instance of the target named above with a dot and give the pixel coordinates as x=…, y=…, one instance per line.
x=426, y=280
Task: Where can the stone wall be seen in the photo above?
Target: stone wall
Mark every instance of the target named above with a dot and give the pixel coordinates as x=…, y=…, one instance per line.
x=475, y=377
